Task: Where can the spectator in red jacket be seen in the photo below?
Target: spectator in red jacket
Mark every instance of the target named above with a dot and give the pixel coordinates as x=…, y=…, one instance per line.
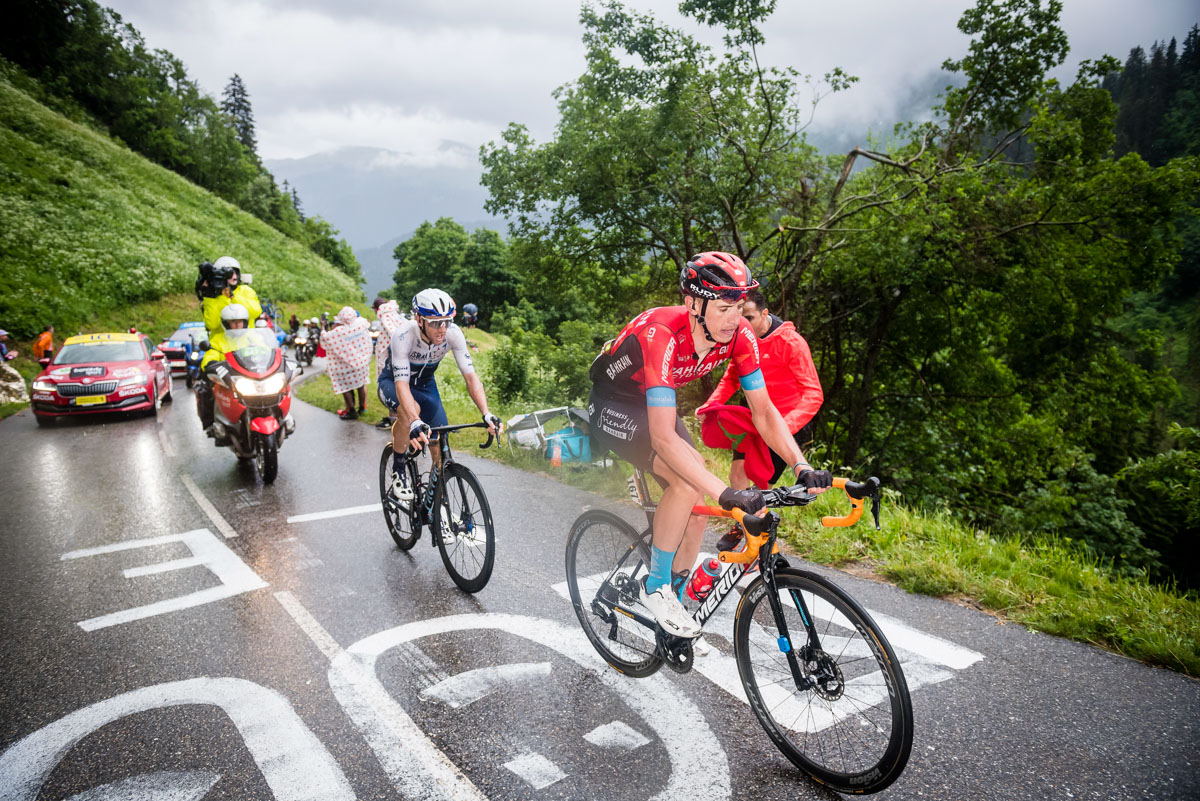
x=791, y=379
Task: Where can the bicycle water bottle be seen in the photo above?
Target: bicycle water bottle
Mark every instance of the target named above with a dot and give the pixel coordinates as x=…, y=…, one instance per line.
x=703, y=580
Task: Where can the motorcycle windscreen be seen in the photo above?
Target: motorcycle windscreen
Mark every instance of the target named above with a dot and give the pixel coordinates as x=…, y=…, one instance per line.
x=255, y=351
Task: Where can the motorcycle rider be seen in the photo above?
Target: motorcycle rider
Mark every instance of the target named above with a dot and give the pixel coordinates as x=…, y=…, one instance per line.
x=233, y=316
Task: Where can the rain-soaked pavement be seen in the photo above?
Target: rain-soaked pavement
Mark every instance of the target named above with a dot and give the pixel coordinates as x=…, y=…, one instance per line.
x=171, y=630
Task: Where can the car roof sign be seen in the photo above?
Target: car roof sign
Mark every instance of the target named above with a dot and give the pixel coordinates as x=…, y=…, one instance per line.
x=92, y=339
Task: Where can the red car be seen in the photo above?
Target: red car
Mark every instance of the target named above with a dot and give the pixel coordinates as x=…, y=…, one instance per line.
x=102, y=373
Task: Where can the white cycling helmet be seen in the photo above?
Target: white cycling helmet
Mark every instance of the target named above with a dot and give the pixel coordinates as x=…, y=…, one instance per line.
x=230, y=262
x=432, y=303
x=235, y=311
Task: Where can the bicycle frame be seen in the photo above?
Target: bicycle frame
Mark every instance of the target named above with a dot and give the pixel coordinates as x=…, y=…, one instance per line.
x=761, y=532
x=446, y=456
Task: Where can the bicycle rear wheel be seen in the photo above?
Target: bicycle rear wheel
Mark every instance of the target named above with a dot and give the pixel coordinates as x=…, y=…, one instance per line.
x=853, y=729
x=403, y=521
x=606, y=560
x=462, y=524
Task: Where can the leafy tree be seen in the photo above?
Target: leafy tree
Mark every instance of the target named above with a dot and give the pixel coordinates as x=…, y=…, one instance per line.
x=429, y=257
x=235, y=103
x=472, y=268
x=662, y=150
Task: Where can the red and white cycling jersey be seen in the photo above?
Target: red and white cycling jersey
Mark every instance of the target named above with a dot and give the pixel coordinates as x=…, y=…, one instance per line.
x=656, y=350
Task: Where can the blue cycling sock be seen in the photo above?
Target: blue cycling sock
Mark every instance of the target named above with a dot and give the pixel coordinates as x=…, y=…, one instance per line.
x=660, y=568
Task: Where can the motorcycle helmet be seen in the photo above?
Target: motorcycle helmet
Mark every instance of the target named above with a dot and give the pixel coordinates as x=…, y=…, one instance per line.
x=232, y=312
x=432, y=303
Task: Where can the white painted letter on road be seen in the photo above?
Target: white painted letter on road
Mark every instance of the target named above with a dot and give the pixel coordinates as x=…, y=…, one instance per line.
x=207, y=551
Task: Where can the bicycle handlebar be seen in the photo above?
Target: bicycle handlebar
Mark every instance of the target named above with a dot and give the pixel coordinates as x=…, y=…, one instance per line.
x=490, y=439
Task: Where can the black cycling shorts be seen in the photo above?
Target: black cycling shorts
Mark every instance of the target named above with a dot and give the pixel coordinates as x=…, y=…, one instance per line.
x=623, y=427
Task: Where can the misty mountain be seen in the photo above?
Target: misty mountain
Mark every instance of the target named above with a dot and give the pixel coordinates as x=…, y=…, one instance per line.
x=377, y=198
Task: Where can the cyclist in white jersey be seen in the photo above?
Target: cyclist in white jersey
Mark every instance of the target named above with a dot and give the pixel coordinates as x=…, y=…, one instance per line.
x=407, y=381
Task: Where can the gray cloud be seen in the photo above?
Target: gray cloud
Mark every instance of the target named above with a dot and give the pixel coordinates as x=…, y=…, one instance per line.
x=410, y=76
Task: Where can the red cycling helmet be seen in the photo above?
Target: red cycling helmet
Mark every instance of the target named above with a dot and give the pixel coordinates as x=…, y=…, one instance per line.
x=714, y=275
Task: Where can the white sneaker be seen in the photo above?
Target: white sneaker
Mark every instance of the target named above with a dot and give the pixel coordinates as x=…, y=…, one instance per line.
x=400, y=489
x=700, y=647
x=669, y=612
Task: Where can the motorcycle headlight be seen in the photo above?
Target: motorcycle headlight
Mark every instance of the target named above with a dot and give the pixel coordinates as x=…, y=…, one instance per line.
x=268, y=386
x=42, y=385
x=301, y=340
x=140, y=378
x=195, y=356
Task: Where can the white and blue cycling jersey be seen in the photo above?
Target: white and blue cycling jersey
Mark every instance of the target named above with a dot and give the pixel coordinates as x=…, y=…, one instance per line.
x=414, y=360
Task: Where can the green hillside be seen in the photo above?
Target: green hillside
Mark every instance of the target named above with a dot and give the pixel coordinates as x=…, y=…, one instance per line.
x=88, y=227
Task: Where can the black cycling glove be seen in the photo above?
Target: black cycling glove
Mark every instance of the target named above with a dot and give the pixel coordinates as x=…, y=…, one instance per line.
x=748, y=500
x=417, y=428
x=815, y=479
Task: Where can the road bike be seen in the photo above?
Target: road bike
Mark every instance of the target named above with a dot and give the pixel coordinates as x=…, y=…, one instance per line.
x=450, y=500
x=818, y=672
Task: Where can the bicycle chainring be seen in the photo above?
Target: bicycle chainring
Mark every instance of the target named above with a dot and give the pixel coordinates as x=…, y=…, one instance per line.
x=675, y=651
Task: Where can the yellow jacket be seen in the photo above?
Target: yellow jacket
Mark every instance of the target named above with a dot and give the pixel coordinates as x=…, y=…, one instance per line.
x=212, y=308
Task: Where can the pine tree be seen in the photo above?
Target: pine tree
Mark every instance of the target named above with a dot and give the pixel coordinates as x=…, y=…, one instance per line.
x=296, y=203
x=235, y=101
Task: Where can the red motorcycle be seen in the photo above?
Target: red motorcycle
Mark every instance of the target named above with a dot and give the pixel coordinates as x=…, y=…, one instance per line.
x=252, y=399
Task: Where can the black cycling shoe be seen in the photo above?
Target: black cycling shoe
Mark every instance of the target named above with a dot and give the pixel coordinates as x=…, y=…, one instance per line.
x=384, y=423
x=730, y=539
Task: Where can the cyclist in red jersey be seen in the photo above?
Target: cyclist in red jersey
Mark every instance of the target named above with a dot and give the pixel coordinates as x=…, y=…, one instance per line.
x=632, y=410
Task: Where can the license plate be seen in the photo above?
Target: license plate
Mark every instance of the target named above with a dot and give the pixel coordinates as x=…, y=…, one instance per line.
x=90, y=400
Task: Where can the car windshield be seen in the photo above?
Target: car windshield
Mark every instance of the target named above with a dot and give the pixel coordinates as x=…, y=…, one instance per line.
x=184, y=334
x=86, y=352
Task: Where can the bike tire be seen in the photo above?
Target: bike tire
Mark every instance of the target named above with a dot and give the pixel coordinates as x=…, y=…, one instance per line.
x=855, y=733
x=462, y=526
x=266, y=457
x=403, y=524
x=607, y=555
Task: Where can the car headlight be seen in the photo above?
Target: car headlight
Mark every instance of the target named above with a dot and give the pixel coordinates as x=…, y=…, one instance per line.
x=42, y=385
x=268, y=386
x=140, y=378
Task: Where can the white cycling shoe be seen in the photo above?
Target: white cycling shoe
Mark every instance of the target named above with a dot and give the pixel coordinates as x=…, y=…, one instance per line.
x=400, y=489
x=669, y=612
x=701, y=647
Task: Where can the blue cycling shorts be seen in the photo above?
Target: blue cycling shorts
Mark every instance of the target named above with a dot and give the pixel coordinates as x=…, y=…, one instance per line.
x=426, y=395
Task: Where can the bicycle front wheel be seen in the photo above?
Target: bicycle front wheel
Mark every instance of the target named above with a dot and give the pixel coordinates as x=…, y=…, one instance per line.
x=462, y=523
x=403, y=517
x=848, y=721
x=606, y=561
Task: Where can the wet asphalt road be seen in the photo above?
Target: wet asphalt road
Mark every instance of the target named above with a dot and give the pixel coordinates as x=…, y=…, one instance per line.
x=313, y=660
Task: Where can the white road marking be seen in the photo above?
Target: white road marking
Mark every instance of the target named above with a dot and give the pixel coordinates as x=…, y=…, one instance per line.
x=349, y=510
x=209, y=509
x=162, y=567
x=536, y=770
x=166, y=444
x=919, y=653
x=468, y=687
x=418, y=769
x=616, y=735
x=293, y=762
x=159, y=786
x=235, y=576
x=309, y=625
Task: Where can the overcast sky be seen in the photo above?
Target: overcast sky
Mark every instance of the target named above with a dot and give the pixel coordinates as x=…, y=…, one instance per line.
x=434, y=79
